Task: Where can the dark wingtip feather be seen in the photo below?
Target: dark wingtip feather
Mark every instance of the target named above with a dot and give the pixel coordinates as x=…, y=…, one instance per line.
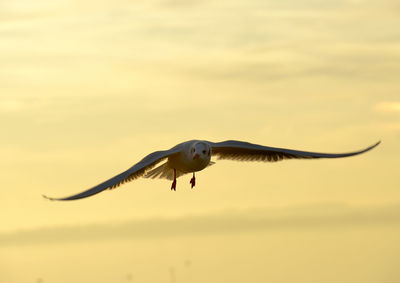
x=49, y=198
x=373, y=146
x=53, y=199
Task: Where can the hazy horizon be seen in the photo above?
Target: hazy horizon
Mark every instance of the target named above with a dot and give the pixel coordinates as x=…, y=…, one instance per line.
x=256, y=220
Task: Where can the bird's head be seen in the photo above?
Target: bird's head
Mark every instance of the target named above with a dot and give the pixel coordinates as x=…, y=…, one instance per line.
x=201, y=151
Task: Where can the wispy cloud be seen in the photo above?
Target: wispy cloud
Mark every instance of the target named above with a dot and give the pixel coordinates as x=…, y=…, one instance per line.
x=322, y=216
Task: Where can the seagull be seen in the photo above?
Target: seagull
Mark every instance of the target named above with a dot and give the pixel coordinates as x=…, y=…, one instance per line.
x=195, y=155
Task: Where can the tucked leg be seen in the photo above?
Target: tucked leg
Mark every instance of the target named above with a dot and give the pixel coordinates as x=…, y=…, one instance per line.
x=193, y=181
x=173, y=186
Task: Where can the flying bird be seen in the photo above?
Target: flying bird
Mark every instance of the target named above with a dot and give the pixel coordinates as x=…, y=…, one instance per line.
x=195, y=155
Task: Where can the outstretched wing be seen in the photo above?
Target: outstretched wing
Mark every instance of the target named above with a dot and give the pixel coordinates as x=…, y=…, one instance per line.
x=244, y=151
x=136, y=171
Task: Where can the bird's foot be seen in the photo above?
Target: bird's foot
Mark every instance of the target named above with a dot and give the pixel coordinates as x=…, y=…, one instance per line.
x=193, y=181
x=173, y=186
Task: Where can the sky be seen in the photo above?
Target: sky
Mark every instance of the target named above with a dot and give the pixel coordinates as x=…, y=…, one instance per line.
x=88, y=88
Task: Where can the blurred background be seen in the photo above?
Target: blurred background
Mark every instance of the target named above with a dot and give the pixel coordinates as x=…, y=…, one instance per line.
x=88, y=88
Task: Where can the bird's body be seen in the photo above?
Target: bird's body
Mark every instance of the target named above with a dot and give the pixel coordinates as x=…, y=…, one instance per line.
x=186, y=162
x=195, y=155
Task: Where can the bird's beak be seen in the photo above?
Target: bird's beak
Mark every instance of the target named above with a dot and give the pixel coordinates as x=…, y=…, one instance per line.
x=196, y=156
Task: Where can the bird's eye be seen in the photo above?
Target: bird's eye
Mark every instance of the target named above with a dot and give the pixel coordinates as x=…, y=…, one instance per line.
x=204, y=151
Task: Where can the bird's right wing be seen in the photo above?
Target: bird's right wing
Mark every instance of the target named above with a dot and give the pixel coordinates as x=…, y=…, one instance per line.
x=244, y=151
x=136, y=171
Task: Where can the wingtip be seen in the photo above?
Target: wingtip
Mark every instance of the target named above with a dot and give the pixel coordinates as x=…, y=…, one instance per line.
x=59, y=199
x=376, y=144
x=373, y=146
x=49, y=198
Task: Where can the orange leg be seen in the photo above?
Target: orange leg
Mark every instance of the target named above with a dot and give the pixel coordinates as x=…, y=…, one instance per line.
x=193, y=181
x=173, y=186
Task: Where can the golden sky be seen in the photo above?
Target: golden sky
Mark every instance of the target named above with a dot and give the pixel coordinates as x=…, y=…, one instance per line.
x=88, y=88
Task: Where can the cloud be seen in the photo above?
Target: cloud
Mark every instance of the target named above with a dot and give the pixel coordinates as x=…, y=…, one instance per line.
x=323, y=216
x=388, y=107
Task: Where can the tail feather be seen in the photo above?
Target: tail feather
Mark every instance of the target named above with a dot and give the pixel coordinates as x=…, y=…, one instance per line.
x=163, y=171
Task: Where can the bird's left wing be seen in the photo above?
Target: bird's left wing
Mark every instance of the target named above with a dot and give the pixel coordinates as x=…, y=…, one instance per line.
x=244, y=151
x=136, y=171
